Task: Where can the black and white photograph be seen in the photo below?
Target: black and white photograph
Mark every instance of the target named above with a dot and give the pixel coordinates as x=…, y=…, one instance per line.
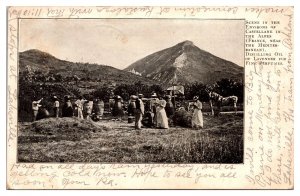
x=131, y=90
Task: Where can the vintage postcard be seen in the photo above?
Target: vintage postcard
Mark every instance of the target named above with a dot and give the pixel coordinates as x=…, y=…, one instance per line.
x=150, y=98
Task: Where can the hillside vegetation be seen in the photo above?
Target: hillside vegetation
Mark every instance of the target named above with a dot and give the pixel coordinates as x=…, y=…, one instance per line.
x=44, y=65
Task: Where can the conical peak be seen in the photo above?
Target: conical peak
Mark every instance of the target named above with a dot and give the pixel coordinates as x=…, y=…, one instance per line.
x=187, y=43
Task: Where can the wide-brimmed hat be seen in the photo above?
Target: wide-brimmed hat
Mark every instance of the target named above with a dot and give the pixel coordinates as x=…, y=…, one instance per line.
x=196, y=98
x=133, y=97
x=141, y=95
x=118, y=97
x=154, y=95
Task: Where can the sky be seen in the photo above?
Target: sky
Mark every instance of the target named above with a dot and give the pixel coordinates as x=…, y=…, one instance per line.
x=121, y=42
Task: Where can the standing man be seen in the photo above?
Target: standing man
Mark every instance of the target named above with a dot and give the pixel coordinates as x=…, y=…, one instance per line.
x=67, y=109
x=35, y=108
x=131, y=108
x=101, y=107
x=153, y=102
x=169, y=107
x=89, y=108
x=139, y=112
x=79, y=104
x=56, y=106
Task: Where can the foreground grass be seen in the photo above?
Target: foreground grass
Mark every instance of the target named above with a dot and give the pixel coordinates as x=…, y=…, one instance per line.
x=73, y=140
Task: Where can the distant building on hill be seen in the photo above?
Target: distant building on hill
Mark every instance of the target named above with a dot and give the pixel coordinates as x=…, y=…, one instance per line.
x=135, y=72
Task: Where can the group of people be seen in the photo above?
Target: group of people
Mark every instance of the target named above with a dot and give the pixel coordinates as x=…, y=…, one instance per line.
x=153, y=112
x=157, y=111
x=81, y=108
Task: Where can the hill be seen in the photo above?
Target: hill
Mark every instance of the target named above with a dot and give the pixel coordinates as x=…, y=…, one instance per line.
x=35, y=61
x=186, y=63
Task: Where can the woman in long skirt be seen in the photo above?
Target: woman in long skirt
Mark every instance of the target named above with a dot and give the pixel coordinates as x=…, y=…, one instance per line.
x=161, y=116
x=197, y=119
x=118, y=108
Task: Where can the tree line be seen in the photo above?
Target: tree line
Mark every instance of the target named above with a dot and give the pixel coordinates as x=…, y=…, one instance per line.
x=224, y=87
x=29, y=89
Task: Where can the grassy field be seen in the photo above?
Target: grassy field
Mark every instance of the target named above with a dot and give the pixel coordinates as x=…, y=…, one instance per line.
x=73, y=140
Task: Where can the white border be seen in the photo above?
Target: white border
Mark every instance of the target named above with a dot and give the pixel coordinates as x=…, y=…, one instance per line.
x=3, y=11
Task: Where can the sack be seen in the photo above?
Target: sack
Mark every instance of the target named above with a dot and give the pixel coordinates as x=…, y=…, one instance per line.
x=148, y=119
x=42, y=113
